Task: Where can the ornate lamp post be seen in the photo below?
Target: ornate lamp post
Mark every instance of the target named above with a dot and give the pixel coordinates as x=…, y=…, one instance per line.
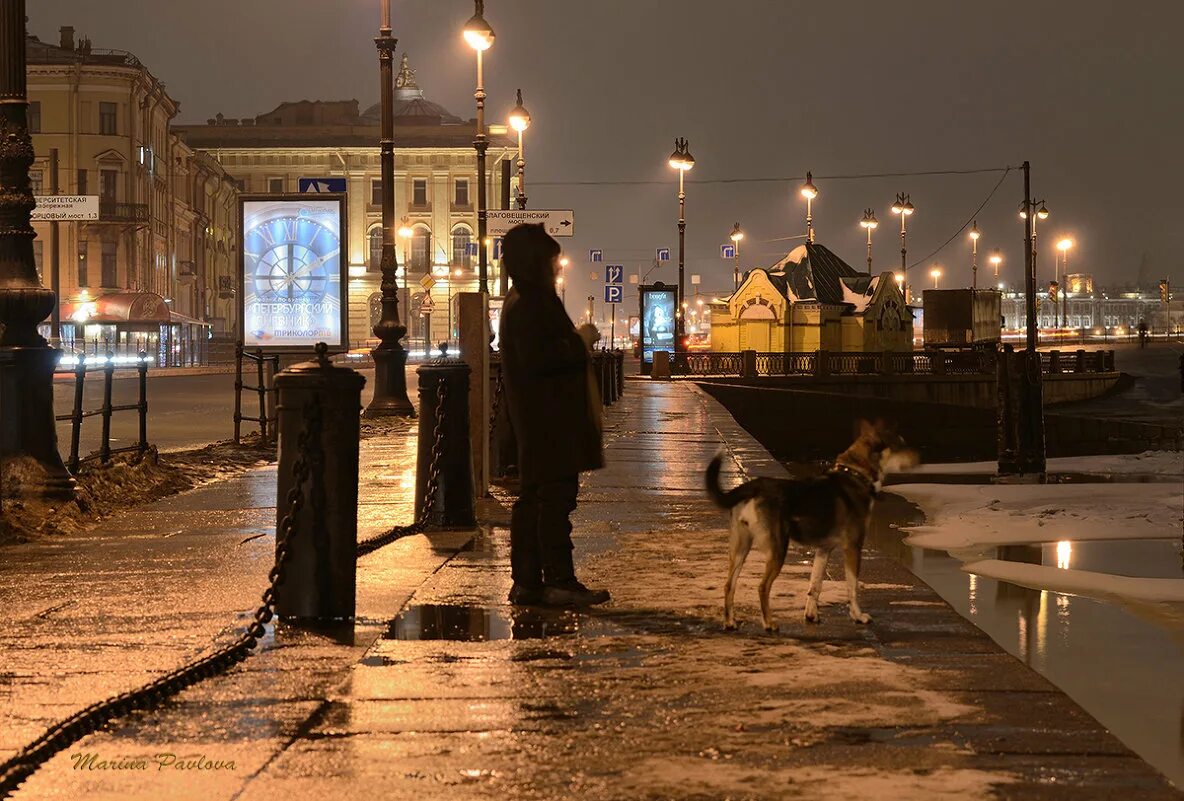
x=562, y=280
x=904, y=207
x=28, y=439
x=480, y=36
x=996, y=260
x=870, y=223
x=1063, y=279
x=520, y=121
x=681, y=160
x=1041, y=214
x=974, y=235
x=390, y=359
x=935, y=274
x=809, y=192
x=736, y=236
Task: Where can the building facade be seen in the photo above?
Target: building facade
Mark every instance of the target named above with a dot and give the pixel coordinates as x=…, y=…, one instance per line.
x=435, y=192
x=100, y=122
x=1101, y=310
x=813, y=300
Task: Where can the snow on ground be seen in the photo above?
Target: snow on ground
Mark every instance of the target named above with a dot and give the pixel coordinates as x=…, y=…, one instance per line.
x=1164, y=463
x=1080, y=582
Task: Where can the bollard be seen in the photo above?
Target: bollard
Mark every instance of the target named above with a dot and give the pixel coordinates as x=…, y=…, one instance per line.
x=452, y=503
x=606, y=383
x=319, y=577
x=610, y=366
x=662, y=368
x=620, y=372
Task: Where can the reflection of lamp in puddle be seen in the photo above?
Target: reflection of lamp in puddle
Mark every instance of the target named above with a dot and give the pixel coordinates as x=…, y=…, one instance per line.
x=1064, y=554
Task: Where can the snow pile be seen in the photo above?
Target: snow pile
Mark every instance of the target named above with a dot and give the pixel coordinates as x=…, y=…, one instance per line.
x=1080, y=582
x=1163, y=463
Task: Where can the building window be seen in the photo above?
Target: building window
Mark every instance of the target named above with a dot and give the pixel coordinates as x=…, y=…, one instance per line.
x=109, y=185
x=421, y=249
x=110, y=271
x=275, y=185
x=108, y=124
x=82, y=182
x=375, y=192
x=461, y=195
x=34, y=116
x=37, y=179
x=375, y=237
x=461, y=237
x=419, y=193
x=82, y=263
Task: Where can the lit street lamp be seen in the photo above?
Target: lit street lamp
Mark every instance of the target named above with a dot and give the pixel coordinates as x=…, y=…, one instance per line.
x=935, y=274
x=1063, y=278
x=736, y=236
x=974, y=235
x=870, y=223
x=480, y=36
x=996, y=260
x=681, y=160
x=1041, y=214
x=904, y=207
x=520, y=121
x=562, y=279
x=390, y=358
x=809, y=192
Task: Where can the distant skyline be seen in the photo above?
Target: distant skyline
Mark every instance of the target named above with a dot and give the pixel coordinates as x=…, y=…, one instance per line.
x=1087, y=91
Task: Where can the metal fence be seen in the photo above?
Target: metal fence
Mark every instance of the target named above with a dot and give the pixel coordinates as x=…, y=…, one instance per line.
x=77, y=414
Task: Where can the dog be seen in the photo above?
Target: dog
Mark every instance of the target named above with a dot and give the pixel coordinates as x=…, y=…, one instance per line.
x=817, y=513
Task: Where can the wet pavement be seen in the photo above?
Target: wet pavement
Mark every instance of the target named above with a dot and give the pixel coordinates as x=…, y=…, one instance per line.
x=442, y=690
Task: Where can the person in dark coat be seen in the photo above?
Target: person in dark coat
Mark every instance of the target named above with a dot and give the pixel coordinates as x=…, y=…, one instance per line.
x=556, y=412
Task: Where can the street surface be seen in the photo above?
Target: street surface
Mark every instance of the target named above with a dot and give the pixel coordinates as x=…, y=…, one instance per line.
x=442, y=691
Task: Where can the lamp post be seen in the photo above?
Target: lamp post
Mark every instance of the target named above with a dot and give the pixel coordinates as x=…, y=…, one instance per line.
x=974, y=235
x=480, y=36
x=809, y=192
x=520, y=121
x=681, y=160
x=996, y=260
x=1040, y=214
x=28, y=439
x=904, y=207
x=870, y=223
x=390, y=359
x=736, y=236
x=1063, y=279
x=562, y=280
x=935, y=274
x=405, y=233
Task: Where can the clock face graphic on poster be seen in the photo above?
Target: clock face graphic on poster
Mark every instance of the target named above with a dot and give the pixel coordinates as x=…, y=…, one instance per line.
x=292, y=272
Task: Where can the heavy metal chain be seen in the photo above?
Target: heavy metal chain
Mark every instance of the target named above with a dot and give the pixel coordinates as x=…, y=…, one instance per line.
x=20, y=766
x=431, y=486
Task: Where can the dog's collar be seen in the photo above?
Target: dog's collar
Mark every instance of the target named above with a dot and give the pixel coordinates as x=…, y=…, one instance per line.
x=872, y=484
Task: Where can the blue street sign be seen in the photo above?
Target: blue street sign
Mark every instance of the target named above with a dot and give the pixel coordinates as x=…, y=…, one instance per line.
x=663, y=254
x=614, y=293
x=595, y=255
x=614, y=274
x=727, y=251
x=497, y=248
x=322, y=184
x=471, y=249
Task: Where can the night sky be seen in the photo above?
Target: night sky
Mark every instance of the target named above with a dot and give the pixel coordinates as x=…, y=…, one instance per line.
x=1088, y=91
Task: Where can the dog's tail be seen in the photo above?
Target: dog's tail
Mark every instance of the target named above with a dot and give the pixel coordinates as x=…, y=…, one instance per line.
x=722, y=499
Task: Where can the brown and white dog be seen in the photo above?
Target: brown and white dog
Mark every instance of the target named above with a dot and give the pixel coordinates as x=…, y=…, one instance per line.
x=817, y=513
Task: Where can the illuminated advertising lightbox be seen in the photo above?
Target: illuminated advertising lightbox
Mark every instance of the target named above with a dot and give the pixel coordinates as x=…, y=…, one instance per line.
x=293, y=276
x=657, y=321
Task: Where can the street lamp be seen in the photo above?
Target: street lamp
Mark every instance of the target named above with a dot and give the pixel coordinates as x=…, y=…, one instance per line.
x=870, y=223
x=405, y=233
x=996, y=260
x=390, y=359
x=1063, y=279
x=904, y=207
x=681, y=160
x=974, y=235
x=520, y=121
x=480, y=36
x=562, y=280
x=736, y=236
x=809, y=192
x=935, y=274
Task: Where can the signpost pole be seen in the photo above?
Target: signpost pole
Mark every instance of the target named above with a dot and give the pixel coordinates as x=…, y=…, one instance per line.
x=55, y=275
x=612, y=330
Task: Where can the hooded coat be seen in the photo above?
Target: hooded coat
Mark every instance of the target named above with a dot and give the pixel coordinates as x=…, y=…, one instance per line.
x=551, y=392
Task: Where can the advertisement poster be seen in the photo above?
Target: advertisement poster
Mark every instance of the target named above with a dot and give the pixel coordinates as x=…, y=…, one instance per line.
x=657, y=321
x=495, y=321
x=292, y=272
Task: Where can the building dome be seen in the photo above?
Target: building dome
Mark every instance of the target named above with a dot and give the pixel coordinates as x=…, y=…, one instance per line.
x=410, y=106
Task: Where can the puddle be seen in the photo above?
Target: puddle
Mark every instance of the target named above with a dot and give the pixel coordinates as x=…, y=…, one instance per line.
x=1053, y=478
x=463, y=623
x=1136, y=558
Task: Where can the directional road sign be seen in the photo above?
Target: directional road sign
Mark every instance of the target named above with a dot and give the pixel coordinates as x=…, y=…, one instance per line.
x=614, y=274
x=66, y=207
x=614, y=293
x=727, y=251
x=322, y=185
x=595, y=255
x=663, y=254
x=556, y=222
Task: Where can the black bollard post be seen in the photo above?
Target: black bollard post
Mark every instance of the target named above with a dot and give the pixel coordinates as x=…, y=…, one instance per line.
x=451, y=499
x=319, y=578
x=621, y=372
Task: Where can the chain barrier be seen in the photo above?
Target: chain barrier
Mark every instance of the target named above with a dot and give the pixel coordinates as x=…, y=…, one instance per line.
x=25, y=762
x=430, y=486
